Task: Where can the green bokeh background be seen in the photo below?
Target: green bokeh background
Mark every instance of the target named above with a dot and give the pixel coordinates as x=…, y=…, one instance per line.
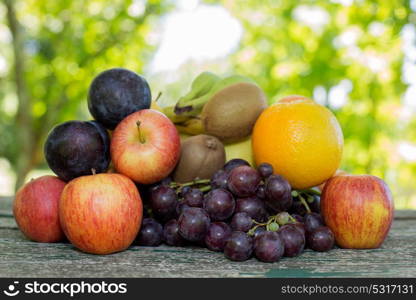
x=53, y=49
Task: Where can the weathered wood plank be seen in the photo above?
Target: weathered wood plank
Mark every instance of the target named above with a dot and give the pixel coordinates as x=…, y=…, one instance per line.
x=20, y=257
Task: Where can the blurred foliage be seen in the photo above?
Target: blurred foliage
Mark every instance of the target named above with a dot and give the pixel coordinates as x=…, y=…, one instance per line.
x=357, y=47
x=65, y=44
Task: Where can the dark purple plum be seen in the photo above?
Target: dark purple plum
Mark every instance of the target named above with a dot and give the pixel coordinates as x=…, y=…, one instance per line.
x=219, y=204
x=293, y=240
x=171, y=234
x=217, y=235
x=268, y=246
x=76, y=148
x=193, y=224
x=239, y=246
x=234, y=163
x=151, y=233
x=116, y=93
x=278, y=193
x=253, y=206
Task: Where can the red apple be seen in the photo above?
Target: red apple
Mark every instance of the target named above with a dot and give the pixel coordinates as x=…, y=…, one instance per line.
x=35, y=209
x=358, y=209
x=337, y=173
x=101, y=213
x=145, y=146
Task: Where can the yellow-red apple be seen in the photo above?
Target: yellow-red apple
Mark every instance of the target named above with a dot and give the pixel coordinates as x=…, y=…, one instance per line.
x=35, y=209
x=337, y=173
x=145, y=146
x=101, y=213
x=358, y=209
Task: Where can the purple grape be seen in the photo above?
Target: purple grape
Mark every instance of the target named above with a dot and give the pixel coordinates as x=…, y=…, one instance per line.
x=315, y=206
x=239, y=246
x=278, y=193
x=321, y=239
x=293, y=239
x=180, y=207
x=217, y=236
x=300, y=227
x=265, y=170
x=219, y=180
x=243, y=181
x=193, y=224
x=166, y=181
x=253, y=206
x=258, y=231
x=184, y=190
x=298, y=208
x=163, y=201
x=261, y=192
x=171, y=234
x=234, y=163
x=194, y=197
x=150, y=234
x=298, y=218
x=241, y=221
x=269, y=246
x=219, y=204
x=312, y=222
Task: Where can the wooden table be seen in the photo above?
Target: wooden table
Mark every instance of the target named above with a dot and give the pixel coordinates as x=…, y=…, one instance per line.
x=22, y=258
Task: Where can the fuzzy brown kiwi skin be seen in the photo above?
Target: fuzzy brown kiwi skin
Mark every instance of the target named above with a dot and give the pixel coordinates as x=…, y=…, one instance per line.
x=201, y=156
x=231, y=113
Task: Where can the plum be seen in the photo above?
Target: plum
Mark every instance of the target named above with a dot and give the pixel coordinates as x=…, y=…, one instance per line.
x=77, y=148
x=116, y=93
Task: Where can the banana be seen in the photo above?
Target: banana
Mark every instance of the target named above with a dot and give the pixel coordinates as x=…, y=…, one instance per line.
x=201, y=85
x=194, y=107
x=192, y=126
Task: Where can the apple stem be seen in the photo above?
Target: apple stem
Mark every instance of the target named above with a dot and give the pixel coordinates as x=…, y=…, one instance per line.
x=304, y=203
x=141, y=137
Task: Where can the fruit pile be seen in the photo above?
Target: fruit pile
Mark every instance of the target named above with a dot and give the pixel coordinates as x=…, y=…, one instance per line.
x=184, y=175
x=240, y=211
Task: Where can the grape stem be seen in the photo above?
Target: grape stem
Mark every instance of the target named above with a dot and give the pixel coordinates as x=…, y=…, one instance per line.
x=272, y=219
x=309, y=192
x=191, y=183
x=303, y=201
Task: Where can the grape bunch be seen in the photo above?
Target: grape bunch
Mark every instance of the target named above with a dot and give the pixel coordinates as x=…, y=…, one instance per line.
x=240, y=211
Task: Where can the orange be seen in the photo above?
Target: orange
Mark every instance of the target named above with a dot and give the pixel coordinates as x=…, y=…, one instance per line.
x=301, y=139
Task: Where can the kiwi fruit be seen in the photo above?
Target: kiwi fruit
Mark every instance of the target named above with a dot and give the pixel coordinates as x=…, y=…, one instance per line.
x=201, y=156
x=231, y=113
